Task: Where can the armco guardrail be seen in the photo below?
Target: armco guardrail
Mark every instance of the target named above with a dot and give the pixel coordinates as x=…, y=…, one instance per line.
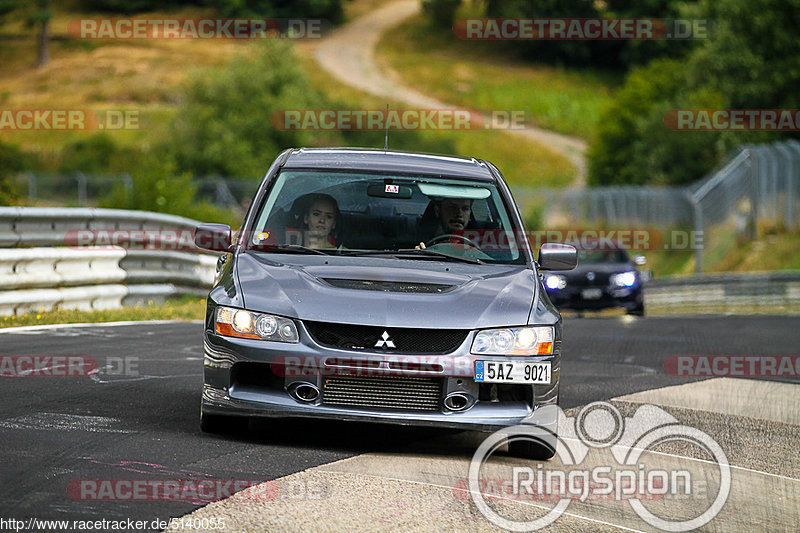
x=45, y=226
x=38, y=271
x=728, y=292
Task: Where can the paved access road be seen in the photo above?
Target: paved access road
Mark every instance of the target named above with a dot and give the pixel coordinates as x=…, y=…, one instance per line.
x=143, y=424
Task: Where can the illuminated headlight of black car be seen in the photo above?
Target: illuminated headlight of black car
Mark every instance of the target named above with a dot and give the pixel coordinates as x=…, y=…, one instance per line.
x=555, y=281
x=624, y=279
x=526, y=340
x=249, y=325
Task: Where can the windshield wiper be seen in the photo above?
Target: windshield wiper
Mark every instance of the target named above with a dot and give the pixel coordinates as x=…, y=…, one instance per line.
x=416, y=251
x=295, y=248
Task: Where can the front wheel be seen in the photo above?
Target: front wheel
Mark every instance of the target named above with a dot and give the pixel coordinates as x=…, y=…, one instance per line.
x=527, y=448
x=221, y=423
x=637, y=311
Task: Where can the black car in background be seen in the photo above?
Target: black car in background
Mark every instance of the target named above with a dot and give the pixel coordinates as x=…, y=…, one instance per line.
x=602, y=279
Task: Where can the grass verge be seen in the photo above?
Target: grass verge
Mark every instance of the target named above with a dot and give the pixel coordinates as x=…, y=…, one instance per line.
x=523, y=163
x=182, y=308
x=484, y=75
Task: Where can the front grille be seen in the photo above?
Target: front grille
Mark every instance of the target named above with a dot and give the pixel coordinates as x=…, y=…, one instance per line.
x=389, y=286
x=403, y=393
x=405, y=340
x=580, y=279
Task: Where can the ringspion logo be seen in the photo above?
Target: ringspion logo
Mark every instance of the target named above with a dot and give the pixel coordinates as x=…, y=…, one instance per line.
x=602, y=456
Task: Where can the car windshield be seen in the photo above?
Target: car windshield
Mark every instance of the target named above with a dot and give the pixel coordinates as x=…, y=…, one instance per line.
x=420, y=217
x=602, y=256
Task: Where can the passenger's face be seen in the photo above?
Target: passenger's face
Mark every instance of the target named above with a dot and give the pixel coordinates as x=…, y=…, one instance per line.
x=454, y=213
x=321, y=218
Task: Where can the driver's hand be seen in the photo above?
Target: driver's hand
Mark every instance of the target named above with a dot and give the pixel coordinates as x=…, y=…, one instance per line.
x=420, y=246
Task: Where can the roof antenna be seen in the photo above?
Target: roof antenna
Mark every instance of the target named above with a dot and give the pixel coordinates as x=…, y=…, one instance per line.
x=386, y=139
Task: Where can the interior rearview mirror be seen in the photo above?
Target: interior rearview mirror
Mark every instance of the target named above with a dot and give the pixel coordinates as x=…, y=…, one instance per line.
x=387, y=190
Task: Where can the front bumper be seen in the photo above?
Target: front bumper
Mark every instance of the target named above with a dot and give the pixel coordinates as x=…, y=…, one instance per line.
x=226, y=392
x=572, y=297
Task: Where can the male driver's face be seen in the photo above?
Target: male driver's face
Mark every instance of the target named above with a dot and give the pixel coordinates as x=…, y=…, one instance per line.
x=454, y=213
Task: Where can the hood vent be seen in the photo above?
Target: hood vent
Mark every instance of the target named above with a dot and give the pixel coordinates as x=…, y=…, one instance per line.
x=388, y=286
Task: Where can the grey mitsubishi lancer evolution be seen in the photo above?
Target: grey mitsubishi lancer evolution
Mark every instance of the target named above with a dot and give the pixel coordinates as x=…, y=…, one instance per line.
x=383, y=286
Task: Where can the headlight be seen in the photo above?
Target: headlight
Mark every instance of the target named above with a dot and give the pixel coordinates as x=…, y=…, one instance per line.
x=248, y=325
x=554, y=281
x=625, y=279
x=514, y=341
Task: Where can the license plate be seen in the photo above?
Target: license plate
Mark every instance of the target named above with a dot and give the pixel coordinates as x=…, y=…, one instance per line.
x=591, y=294
x=512, y=372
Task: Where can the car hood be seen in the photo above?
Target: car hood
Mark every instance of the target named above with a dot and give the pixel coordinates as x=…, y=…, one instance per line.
x=404, y=293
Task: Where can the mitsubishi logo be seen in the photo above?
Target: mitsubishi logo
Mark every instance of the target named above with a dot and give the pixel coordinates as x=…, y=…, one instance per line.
x=385, y=341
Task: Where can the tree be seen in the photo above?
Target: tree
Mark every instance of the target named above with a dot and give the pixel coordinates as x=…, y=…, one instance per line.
x=753, y=55
x=12, y=160
x=223, y=123
x=33, y=14
x=750, y=61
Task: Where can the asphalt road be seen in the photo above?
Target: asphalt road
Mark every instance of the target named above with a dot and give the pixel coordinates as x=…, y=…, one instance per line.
x=143, y=424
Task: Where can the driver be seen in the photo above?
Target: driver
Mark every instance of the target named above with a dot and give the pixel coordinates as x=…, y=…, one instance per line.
x=451, y=217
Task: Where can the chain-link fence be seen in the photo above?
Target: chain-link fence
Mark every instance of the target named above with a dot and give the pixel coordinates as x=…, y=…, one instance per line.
x=757, y=185
x=81, y=190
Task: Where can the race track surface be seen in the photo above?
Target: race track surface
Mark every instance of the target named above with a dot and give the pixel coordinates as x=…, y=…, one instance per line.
x=141, y=423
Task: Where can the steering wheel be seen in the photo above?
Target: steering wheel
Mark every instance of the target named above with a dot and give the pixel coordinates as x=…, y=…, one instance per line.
x=447, y=236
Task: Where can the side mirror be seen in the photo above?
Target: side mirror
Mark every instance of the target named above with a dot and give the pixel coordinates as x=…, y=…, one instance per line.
x=639, y=260
x=555, y=256
x=215, y=237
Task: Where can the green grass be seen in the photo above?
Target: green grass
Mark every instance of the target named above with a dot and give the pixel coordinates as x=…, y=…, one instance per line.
x=774, y=249
x=485, y=75
x=184, y=308
x=523, y=163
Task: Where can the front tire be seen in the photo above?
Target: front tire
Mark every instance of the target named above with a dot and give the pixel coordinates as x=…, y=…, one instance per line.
x=535, y=449
x=220, y=424
x=637, y=311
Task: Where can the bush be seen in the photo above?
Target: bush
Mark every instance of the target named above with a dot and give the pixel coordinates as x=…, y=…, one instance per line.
x=132, y=6
x=567, y=52
x=441, y=12
x=738, y=68
x=330, y=10
x=91, y=155
x=223, y=122
x=12, y=160
x=159, y=187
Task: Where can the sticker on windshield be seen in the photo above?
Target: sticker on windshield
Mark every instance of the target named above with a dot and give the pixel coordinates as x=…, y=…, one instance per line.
x=394, y=189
